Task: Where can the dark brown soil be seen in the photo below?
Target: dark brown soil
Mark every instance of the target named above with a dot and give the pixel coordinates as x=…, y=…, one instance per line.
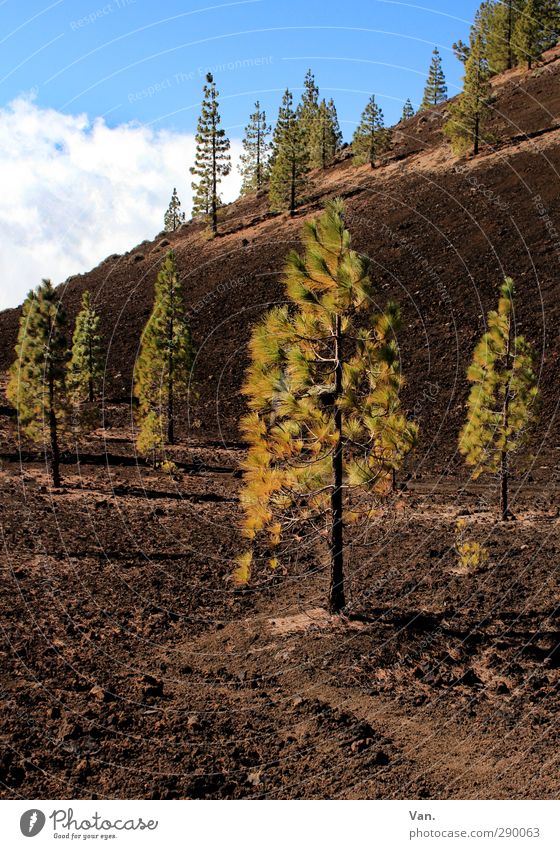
x=134, y=668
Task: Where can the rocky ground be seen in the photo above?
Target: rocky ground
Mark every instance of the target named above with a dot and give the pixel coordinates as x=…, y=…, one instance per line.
x=134, y=668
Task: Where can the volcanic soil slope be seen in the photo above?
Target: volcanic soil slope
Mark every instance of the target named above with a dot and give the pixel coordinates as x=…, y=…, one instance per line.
x=132, y=667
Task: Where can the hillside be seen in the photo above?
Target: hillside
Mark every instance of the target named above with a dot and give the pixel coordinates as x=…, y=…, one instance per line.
x=441, y=233
x=135, y=668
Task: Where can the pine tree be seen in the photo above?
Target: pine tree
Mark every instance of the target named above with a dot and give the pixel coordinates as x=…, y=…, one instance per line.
x=502, y=400
x=325, y=428
x=212, y=160
x=436, y=89
x=164, y=365
x=37, y=383
x=289, y=158
x=371, y=138
x=254, y=166
x=308, y=108
x=86, y=363
x=502, y=20
x=173, y=218
x=335, y=124
x=461, y=50
x=537, y=30
x=469, y=113
x=408, y=110
x=323, y=142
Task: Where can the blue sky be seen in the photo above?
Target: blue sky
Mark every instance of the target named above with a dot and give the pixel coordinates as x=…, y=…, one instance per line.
x=99, y=101
x=108, y=58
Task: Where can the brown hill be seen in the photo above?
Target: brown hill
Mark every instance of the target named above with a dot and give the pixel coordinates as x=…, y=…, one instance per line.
x=442, y=233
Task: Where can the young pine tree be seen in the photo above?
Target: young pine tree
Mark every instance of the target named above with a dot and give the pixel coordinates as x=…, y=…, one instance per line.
x=254, y=165
x=164, y=365
x=173, y=218
x=323, y=142
x=502, y=401
x=289, y=158
x=469, y=113
x=37, y=383
x=212, y=160
x=436, y=88
x=325, y=428
x=408, y=110
x=371, y=138
x=86, y=363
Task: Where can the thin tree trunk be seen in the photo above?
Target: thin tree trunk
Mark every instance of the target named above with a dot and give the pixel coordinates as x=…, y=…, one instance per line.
x=510, y=35
x=170, y=411
x=90, y=377
x=214, y=184
x=504, y=500
x=55, y=454
x=476, y=133
x=504, y=468
x=337, y=599
x=258, y=158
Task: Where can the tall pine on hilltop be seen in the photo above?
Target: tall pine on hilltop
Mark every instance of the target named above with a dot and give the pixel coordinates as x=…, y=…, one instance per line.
x=86, y=363
x=308, y=109
x=435, y=90
x=325, y=428
x=164, y=365
x=502, y=401
x=37, y=383
x=173, y=218
x=289, y=158
x=254, y=164
x=371, y=138
x=212, y=161
x=470, y=112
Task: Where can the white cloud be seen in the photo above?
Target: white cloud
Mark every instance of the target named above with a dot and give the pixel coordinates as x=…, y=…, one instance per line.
x=76, y=190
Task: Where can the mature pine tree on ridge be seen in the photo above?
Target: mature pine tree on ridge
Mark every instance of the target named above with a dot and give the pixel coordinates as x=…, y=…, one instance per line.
x=212, y=161
x=371, y=138
x=289, y=158
x=435, y=91
x=254, y=161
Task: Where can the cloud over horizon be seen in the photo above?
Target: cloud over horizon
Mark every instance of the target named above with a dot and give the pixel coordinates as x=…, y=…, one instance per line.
x=76, y=190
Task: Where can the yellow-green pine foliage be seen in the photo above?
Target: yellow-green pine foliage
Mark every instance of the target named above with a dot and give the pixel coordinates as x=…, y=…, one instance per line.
x=502, y=401
x=435, y=91
x=86, y=364
x=371, y=138
x=289, y=158
x=37, y=380
x=469, y=113
x=174, y=217
x=254, y=161
x=212, y=161
x=293, y=426
x=164, y=366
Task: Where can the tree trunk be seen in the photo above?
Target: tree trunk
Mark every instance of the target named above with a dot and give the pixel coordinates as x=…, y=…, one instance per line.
x=510, y=35
x=214, y=185
x=55, y=454
x=476, y=133
x=504, y=504
x=170, y=380
x=90, y=379
x=337, y=600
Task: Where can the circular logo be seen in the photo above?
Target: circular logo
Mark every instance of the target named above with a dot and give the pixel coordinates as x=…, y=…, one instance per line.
x=32, y=822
